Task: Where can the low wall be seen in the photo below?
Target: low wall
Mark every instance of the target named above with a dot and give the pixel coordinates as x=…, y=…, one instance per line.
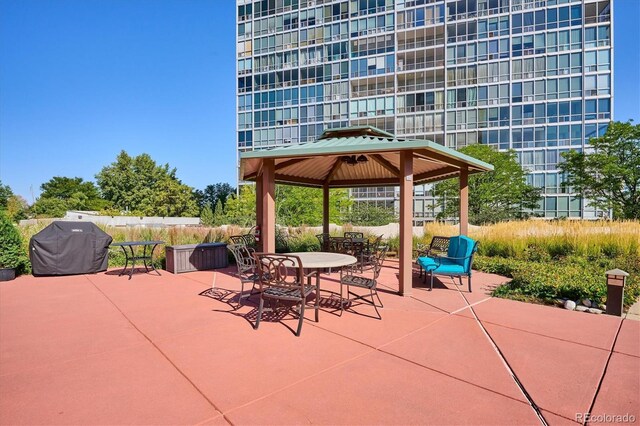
x=121, y=221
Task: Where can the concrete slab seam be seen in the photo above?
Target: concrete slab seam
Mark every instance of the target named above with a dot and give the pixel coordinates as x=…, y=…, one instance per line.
x=515, y=378
x=544, y=335
x=604, y=372
x=469, y=306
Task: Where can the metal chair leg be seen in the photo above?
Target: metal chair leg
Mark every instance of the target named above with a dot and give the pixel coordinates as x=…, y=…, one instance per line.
x=241, y=295
x=374, y=304
x=381, y=305
x=301, y=319
x=431, y=288
x=469, y=283
x=317, y=296
x=259, y=313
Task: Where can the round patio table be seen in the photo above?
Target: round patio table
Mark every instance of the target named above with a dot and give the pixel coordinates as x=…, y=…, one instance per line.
x=317, y=260
x=321, y=259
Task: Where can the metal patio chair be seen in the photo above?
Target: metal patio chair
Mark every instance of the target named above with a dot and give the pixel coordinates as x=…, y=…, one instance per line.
x=238, y=240
x=457, y=262
x=246, y=265
x=350, y=278
x=354, y=234
x=367, y=258
x=325, y=241
x=438, y=246
x=281, y=278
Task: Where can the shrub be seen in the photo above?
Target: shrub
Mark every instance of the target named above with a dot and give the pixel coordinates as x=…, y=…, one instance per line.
x=559, y=249
x=495, y=265
x=394, y=244
x=610, y=249
x=537, y=253
x=304, y=242
x=12, y=253
x=495, y=248
x=574, y=278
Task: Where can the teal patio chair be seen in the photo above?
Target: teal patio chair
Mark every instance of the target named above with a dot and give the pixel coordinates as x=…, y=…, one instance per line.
x=457, y=262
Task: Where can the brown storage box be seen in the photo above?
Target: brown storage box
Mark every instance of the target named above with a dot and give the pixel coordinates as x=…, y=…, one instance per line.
x=196, y=257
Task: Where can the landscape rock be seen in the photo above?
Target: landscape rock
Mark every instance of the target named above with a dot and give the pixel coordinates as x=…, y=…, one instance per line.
x=581, y=308
x=570, y=305
x=586, y=302
x=594, y=311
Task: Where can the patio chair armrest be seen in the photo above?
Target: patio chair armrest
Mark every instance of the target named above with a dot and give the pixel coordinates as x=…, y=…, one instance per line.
x=311, y=274
x=456, y=258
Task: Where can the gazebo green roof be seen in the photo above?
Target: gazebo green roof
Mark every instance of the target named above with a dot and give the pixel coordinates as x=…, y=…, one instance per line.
x=324, y=160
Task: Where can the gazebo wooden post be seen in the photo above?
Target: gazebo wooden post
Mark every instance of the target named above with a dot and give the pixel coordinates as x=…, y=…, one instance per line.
x=325, y=208
x=259, y=207
x=406, y=221
x=268, y=222
x=464, y=201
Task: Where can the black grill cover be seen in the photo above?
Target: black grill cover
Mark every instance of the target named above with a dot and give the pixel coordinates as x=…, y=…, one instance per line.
x=65, y=248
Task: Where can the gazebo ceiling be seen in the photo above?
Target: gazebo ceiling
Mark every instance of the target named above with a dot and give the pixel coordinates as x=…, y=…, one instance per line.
x=357, y=157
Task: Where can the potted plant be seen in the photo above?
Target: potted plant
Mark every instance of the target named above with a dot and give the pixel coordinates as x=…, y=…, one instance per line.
x=13, y=259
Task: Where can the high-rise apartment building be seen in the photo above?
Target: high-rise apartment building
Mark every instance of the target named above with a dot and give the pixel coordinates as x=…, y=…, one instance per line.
x=531, y=75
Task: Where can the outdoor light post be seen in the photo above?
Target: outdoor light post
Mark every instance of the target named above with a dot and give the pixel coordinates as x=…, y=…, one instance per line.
x=615, y=291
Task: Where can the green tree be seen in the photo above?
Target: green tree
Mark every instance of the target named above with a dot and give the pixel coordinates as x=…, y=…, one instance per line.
x=50, y=207
x=173, y=198
x=17, y=208
x=369, y=214
x=212, y=194
x=5, y=194
x=206, y=216
x=295, y=206
x=219, y=217
x=609, y=177
x=12, y=254
x=79, y=194
x=73, y=193
x=241, y=210
x=298, y=205
x=139, y=185
x=501, y=194
x=64, y=188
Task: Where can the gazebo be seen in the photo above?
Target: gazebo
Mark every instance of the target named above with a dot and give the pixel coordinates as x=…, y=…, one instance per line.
x=358, y=157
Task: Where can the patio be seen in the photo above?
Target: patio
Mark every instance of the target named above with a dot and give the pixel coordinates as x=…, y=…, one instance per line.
x=100, y=349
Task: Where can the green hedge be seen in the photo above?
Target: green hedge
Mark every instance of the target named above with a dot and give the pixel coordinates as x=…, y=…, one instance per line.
x=12, y=250
x=571, y=277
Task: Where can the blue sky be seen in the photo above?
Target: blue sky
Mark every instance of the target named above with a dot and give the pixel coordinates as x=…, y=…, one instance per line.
x=81, y=80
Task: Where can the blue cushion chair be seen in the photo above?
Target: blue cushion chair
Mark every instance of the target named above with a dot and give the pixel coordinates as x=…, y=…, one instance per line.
x=457, y=262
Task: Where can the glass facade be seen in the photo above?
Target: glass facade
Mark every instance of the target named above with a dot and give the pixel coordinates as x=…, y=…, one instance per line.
x=530, y=75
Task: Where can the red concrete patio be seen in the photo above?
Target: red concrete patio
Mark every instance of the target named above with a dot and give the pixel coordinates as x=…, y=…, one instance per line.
x=100, y=349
